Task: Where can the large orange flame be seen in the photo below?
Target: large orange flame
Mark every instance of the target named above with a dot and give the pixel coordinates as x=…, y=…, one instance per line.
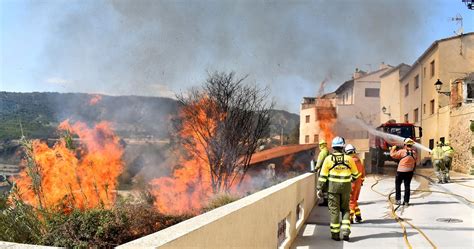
x=190, y=184
x=326, y=116
x=82, y=178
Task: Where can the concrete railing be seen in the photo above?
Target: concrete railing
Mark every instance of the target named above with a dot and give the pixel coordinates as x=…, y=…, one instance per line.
x=270, y=218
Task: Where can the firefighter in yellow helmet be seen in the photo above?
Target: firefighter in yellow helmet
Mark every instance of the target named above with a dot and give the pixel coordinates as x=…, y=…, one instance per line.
x=437, y=156
x=406, y=166
x=337, y=172
x=323, y=153
x=448, y=154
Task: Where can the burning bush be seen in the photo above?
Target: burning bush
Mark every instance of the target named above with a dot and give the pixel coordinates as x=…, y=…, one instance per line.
x=64, y=177
x=221, y=125
x=66, y=194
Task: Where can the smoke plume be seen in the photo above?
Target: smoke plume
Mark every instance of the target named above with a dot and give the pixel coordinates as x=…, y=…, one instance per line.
x=159, y=47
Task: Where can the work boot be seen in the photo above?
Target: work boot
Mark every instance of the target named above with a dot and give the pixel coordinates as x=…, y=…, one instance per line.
x=406, y=204
x=398, y=202
x=345, y=237
x=335, y=236
x=358, y=219
x=448, y=179
x=324, y=203
x=440, y=181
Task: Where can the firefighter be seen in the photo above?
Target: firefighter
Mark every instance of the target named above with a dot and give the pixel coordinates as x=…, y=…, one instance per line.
x=337, y=172
x=448, y=153
x=406, y=166
x=437, y=156
x=323, y=153
x=356, y=185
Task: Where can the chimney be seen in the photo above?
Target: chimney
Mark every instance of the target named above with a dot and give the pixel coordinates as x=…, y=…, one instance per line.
x=358, y=73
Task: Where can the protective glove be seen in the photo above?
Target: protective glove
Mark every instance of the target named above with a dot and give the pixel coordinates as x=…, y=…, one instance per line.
x=319, y=193
x=393, y=147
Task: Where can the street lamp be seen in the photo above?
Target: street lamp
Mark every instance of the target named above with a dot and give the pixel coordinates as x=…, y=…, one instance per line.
x=438, y=86
x=384, y=111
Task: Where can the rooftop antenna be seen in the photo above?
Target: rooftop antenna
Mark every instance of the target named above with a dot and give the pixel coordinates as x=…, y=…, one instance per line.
x=458, y=20
x=460, y=31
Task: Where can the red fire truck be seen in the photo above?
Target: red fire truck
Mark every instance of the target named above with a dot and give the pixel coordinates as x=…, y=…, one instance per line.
x=379, y=147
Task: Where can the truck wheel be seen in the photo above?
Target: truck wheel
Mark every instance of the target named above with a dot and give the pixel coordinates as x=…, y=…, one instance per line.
x=380, y=160
x=373, y=157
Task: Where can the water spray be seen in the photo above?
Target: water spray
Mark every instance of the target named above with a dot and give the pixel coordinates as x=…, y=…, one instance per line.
x=390, y=138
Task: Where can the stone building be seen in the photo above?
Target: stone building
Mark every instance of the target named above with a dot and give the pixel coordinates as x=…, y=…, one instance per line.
x=417, y=100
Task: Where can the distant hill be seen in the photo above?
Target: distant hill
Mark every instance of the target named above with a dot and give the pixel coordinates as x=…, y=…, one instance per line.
x=40, y=113
x=132, y=116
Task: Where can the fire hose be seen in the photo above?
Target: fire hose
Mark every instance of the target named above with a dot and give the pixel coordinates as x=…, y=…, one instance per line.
x=400, y=220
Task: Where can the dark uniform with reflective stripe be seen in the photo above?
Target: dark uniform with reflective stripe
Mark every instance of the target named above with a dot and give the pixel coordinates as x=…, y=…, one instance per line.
x=337, y=172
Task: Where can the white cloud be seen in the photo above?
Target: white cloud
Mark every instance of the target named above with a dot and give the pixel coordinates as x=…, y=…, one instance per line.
x=58, y=81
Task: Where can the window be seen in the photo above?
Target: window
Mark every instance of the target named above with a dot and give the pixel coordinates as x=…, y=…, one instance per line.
x=417, y=81
x=403, y=131
x=431, y=144
x=470, y=90
x=315, y=140
x=441, y=139
x=372, y=92
x=415, y=115
x=424, y=108
x=407, y=88
x=424, y=72
x=432, y=106
x=306, y=139
x=307, y=118
x=432, y=68
x=406, y=118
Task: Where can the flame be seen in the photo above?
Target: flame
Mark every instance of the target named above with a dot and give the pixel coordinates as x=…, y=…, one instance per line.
x=96, y=98
x=189, y=186
x=82, y=178
x=326, y=115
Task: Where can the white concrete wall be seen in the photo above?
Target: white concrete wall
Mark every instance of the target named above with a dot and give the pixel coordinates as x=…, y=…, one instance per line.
x=250, y=222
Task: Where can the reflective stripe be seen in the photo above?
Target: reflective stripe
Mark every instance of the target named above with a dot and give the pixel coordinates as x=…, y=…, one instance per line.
x=336, y=230
x=345, y=226
x=357, y=212
x=340, y=176
x=335, y=225
x=356, y=175
x=339, y=180
x=322, y=179
x=346, y=222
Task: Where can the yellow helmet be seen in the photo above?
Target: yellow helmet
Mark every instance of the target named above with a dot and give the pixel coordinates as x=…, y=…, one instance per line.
x=322, y=141
x=408, y=141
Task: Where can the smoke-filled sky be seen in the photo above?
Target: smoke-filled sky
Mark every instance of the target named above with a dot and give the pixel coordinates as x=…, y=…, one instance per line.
x=158, y=48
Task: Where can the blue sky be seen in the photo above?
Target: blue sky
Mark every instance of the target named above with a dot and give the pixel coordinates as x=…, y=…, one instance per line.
x=160, y=48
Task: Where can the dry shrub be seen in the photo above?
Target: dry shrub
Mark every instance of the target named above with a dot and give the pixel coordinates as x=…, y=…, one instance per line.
x=218, y=201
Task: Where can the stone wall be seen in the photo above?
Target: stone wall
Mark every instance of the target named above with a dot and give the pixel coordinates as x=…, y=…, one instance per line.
x=461, y=137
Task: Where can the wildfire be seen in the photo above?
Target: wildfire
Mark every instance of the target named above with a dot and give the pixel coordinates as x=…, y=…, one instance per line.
x=190, y=184
x=66, y=178
x=326, y=116
x=96, y=98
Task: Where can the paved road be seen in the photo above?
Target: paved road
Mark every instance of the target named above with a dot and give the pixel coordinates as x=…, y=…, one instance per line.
x=380, y=230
